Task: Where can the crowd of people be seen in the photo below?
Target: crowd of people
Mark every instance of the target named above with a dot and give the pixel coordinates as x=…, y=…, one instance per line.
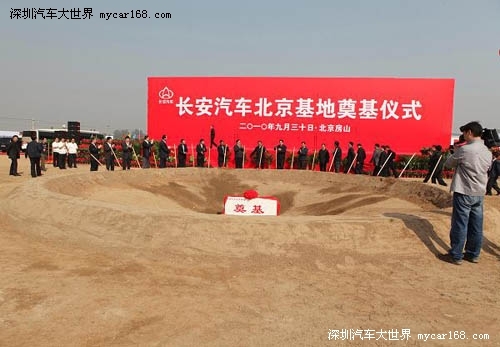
x=383, y=158
x=65, y=152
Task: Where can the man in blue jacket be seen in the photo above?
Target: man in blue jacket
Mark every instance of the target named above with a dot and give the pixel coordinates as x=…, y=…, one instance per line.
x=34, y=151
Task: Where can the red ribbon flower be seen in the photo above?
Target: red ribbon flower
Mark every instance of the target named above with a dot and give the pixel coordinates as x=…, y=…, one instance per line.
x=250, y=194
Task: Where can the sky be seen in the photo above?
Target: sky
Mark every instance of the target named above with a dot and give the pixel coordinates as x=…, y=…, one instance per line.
x=95, y=71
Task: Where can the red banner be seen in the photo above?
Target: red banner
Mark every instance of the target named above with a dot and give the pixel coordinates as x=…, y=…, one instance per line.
x=405, y=113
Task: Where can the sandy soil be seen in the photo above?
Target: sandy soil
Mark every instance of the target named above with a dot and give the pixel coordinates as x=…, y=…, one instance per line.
x=141, y=258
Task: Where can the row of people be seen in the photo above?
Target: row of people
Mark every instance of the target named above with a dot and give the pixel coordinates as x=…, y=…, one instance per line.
x=384, y=166
x=63, y=152
x=383, y=156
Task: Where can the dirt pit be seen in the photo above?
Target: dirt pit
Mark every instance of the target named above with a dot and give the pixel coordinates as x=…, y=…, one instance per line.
x=142, y=258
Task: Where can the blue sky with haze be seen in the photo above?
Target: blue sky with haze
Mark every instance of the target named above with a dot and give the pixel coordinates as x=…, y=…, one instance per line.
x=95, y=70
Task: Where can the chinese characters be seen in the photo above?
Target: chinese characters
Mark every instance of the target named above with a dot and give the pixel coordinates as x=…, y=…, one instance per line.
x=50, y=13
x=322, y=128
x=347, y=108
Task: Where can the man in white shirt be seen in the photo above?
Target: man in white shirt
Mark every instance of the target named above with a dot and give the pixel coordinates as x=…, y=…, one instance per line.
x=63, y=153
x=55, y=152
x=72, y=153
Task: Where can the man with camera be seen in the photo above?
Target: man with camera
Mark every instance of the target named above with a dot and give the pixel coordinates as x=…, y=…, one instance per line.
x=471, y=162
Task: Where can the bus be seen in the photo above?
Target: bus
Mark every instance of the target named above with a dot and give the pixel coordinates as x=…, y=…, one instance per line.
x=5, y=137
x=90, y=134
x=51, y=134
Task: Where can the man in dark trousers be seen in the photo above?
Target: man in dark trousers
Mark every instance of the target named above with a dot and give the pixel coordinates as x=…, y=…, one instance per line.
x=94, y=157
x=127, y=151
x=146, y=152
x=212, y=137
x=436, y=163
x=55, y=152
x=438, y=174
x=63, y=154
x=323, y=157
x=259, y=155
x=337, y=156
x=222, y=154
x=280, y=155
x=182, y=154
x=431, y=164
x=391, y=165
x=383, y=171
x=493, y=175
x=108, y=154
x=34, y=152
x=164, y=152
x=45, y=151
x=239, y=152
x=14, y=153
x=302, y=158
x=200, y=153
x=376, y=159
x=360, y=160
x=350, y=157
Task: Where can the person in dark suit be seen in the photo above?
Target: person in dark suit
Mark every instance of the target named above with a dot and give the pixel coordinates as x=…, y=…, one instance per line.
x=360, y=160
x=431, y=164
x=146, y=152
x=200, y=153
x=493, y=175
x=182, y=151
x=280, y=155
x=164, y=152
x=438, y=174
x=108, y=154
x=222, y=154
x=383, y=170
x=127, y=151
x=391, y=165
x=323, y=157
x=14, y=153
x=259, y=155
x=94, y=151
x=337, y=156
x=34, y=152
x=239, y=152
x=375, y=160
x=436, y=163
x=302, y=158
x=212, y=137
x=350, y=157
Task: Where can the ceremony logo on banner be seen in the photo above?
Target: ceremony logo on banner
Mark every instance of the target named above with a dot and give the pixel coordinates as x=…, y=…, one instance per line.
x=405, y=113
x=239, y=206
